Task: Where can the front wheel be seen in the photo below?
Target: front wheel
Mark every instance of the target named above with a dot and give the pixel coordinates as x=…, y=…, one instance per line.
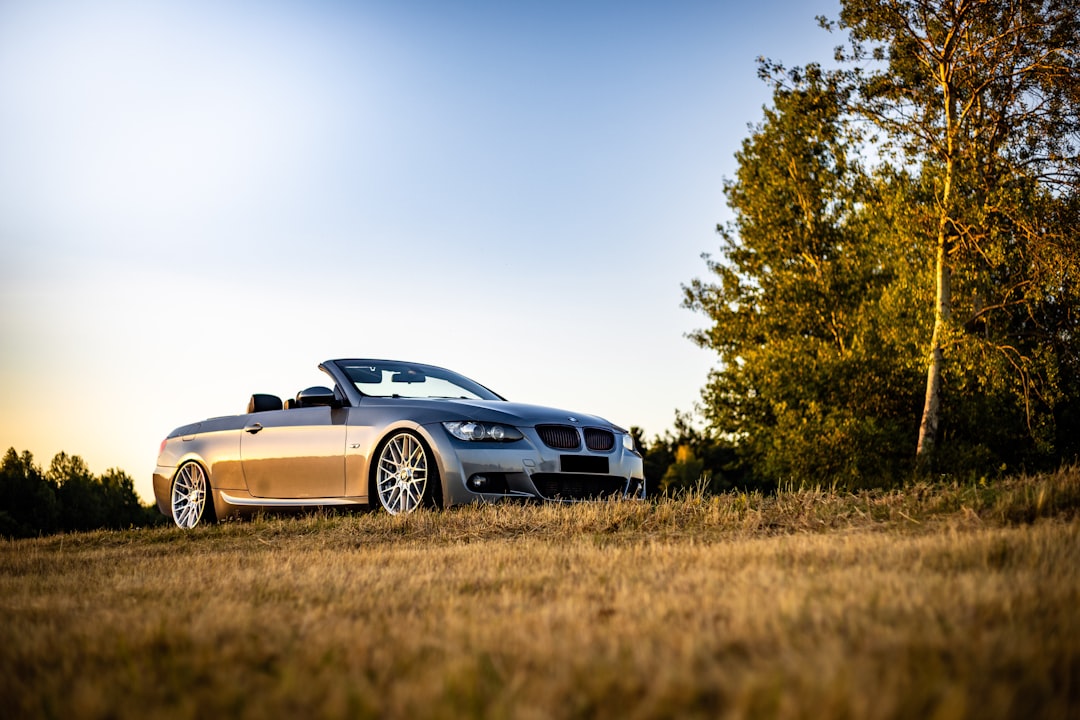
x=191, y=501
x=406, y=476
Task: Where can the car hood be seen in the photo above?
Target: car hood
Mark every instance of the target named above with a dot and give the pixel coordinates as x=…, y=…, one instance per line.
x=511, y=413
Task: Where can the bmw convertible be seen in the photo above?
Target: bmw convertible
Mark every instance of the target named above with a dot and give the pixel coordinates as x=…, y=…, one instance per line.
x=392, y=435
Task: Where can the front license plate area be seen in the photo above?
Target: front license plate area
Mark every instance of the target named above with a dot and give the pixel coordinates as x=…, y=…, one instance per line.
x=584, y=464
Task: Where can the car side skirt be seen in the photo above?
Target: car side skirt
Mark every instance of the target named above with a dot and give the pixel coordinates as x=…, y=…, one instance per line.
x=288, y=502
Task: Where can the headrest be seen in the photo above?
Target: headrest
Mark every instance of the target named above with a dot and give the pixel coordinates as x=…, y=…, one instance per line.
x=261, y=402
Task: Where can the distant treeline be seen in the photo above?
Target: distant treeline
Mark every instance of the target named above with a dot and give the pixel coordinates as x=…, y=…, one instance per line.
x=66, y=497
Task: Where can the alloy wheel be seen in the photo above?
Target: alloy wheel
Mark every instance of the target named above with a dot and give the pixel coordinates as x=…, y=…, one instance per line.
x=402, y=474
x=189, y=494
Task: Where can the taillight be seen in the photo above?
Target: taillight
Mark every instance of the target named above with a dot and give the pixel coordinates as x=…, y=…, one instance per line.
x=162, y=448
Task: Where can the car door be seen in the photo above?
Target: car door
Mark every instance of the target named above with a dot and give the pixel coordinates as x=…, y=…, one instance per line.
x=296, y=453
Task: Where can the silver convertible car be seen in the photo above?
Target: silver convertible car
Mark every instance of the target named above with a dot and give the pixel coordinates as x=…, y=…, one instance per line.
x=395, y=435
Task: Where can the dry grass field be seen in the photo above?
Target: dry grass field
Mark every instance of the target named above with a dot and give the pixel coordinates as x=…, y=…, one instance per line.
x=939, y=601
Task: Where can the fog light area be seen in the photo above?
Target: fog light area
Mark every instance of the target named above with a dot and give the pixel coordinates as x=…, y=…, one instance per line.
x=487, y=483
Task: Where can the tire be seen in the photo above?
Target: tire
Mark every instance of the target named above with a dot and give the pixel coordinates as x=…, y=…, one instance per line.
x=405, y=476
x=192, y=503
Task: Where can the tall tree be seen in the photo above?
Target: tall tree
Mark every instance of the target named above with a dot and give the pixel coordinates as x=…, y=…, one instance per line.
x=982, y=99
x=811, y=381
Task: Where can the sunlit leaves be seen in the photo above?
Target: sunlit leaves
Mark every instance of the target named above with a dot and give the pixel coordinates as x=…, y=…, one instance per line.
x=953, y=125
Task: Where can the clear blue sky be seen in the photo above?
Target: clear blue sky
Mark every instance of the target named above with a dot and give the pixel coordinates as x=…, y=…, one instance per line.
x=202, y=200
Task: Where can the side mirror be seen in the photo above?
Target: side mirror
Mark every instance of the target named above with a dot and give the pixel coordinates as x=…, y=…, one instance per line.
x=317, y=395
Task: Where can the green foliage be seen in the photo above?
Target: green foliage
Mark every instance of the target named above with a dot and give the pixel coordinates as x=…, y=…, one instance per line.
x=688, y=459
x=68, y=497
x=687, y=470
x=837, y=278
x=981, y=100
x=814, y=340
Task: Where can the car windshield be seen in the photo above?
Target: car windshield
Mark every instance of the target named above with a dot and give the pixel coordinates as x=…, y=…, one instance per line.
x=377, y=378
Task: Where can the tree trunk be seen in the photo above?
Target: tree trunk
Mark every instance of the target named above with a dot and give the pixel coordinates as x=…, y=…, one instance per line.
x=928, y=427
x=943, y=309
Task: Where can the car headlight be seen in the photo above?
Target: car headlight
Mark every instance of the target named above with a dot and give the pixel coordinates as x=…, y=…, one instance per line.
x=482, y=432
x=628, y=442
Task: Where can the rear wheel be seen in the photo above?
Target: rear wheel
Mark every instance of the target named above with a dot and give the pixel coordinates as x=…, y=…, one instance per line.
x=406, y=476
x=191, y=501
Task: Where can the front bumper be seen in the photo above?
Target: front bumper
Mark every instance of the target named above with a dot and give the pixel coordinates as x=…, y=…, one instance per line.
x=529, y=469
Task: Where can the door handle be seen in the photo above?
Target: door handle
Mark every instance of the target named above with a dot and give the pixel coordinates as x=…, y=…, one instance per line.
x=254, y=428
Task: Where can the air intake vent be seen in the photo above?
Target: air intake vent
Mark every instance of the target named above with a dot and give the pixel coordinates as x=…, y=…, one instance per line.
x=599, y=440
x=569, y=486
x=560, y=437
